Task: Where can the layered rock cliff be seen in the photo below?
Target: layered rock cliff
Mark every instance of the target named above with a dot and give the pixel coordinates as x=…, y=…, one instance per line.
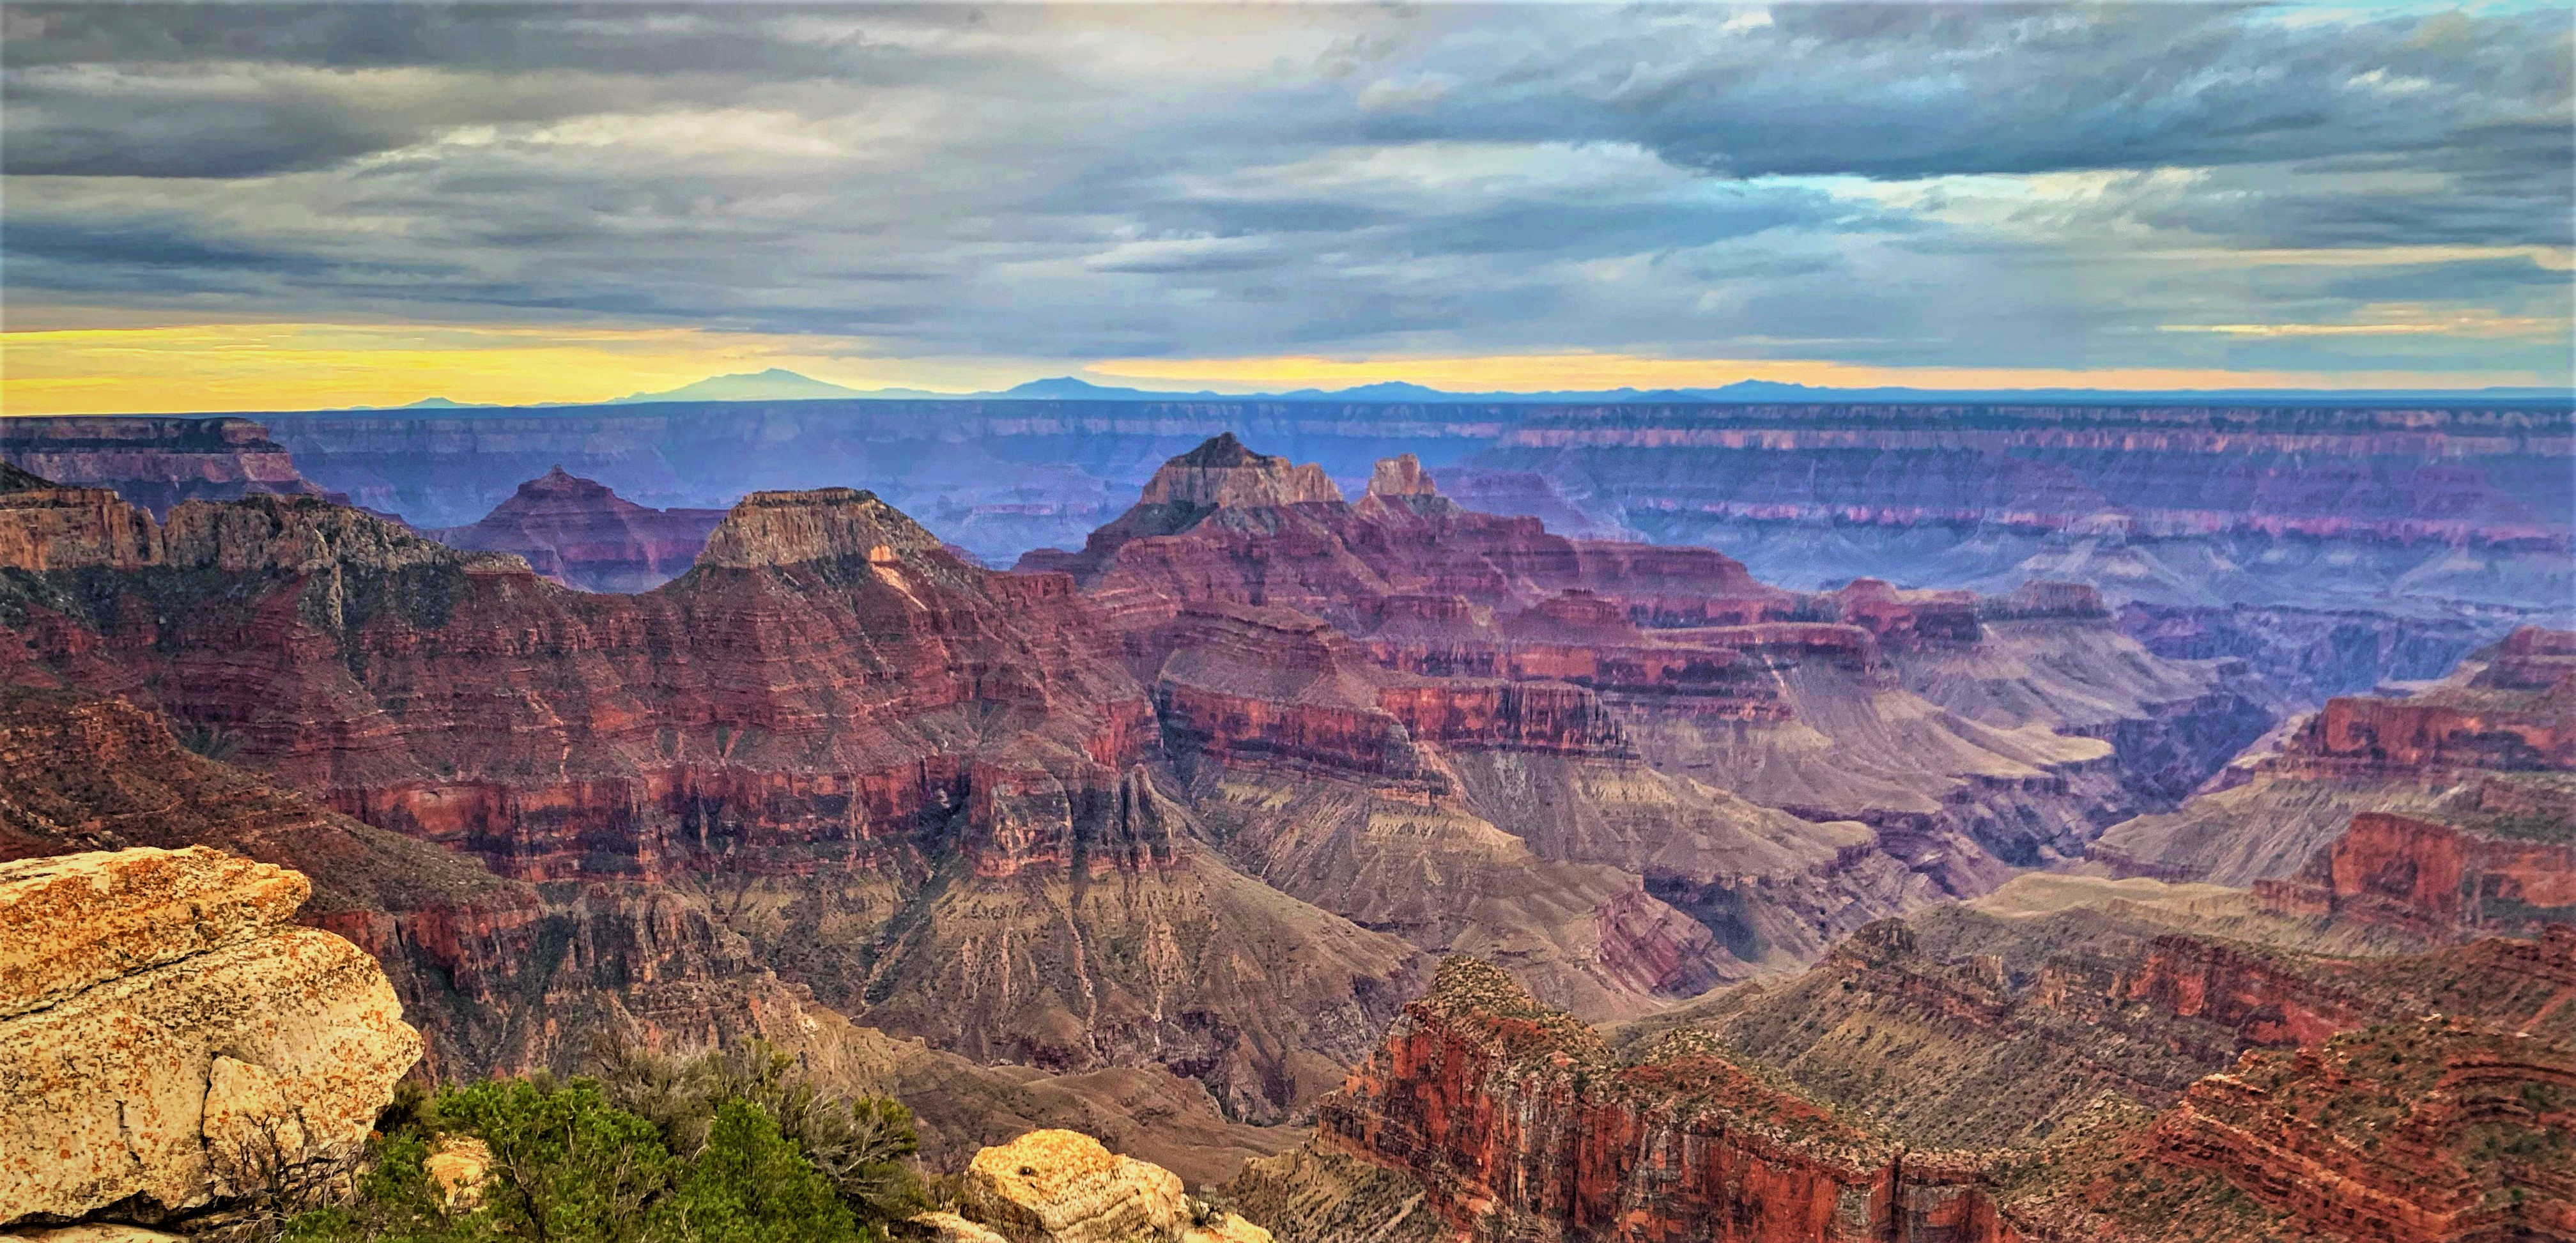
x=1964, y=1028
x=156, y=462
x=2286, y=1096
x=2438, y=1130
x=163, y=1027
x=45, y=526
x=577, y=532
x=2172, y=506
x=2431, y=879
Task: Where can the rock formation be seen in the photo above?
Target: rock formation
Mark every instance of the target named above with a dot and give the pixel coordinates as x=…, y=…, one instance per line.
x=805, y=731
x=578, y=533
x=161, y=1024
x=1519, y=1123
x=1064, y=1187
x=45, y=526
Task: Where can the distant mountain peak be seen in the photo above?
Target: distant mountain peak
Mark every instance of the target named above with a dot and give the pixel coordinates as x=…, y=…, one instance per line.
x=774, y=384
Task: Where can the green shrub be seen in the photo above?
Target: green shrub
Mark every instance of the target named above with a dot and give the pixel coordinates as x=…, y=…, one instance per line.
x=725, y=1148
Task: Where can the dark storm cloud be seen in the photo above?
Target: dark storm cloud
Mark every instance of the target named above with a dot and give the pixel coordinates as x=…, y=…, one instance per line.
x=1914, y=182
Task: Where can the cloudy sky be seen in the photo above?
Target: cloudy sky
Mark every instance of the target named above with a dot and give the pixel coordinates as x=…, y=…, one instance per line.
x=244, y=207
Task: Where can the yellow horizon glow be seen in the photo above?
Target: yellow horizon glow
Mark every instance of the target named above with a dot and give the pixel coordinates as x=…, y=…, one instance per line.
x=205, y=368
x=198, y=368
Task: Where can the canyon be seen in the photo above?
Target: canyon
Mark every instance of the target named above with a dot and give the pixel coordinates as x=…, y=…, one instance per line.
x=1063, y=802
x=2484, y=751
x=1566, y=886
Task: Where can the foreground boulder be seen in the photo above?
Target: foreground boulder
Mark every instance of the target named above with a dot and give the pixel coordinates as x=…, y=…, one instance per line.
x=164, y=1028
x=1064, y=1187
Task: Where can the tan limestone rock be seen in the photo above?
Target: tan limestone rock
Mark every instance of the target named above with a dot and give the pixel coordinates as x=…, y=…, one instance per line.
x=233, y=1030
x=1064, y=1187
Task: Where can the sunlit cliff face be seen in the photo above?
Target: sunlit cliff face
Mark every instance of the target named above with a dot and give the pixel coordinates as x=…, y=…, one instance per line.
x=237, y=208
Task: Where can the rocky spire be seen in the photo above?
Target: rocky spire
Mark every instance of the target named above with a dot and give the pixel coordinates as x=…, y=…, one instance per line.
x=1401, y=476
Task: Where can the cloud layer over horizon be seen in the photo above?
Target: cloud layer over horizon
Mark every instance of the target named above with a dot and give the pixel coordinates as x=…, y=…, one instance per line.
x=926, y=192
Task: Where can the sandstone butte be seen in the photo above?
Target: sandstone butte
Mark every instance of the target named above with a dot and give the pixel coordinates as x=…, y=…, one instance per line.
x=1502, y=1120
x=576, y=532
x=159, y=1015
x=1058, y=1186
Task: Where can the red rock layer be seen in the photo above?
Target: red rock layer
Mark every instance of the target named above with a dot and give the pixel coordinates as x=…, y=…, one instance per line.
x=2364, y=736
x=1519, y=1125
x=753, y=703
x=579, y=533
x=2430, y=879
x=2509, y=708
x=1878, y=607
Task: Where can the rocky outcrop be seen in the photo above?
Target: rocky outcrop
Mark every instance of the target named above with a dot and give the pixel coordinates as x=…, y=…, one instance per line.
x=2431, y=879
x=156, y=463
x=1064, y=1187
x=577, y=532
x=162, y=1025
x=1519, y=1123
